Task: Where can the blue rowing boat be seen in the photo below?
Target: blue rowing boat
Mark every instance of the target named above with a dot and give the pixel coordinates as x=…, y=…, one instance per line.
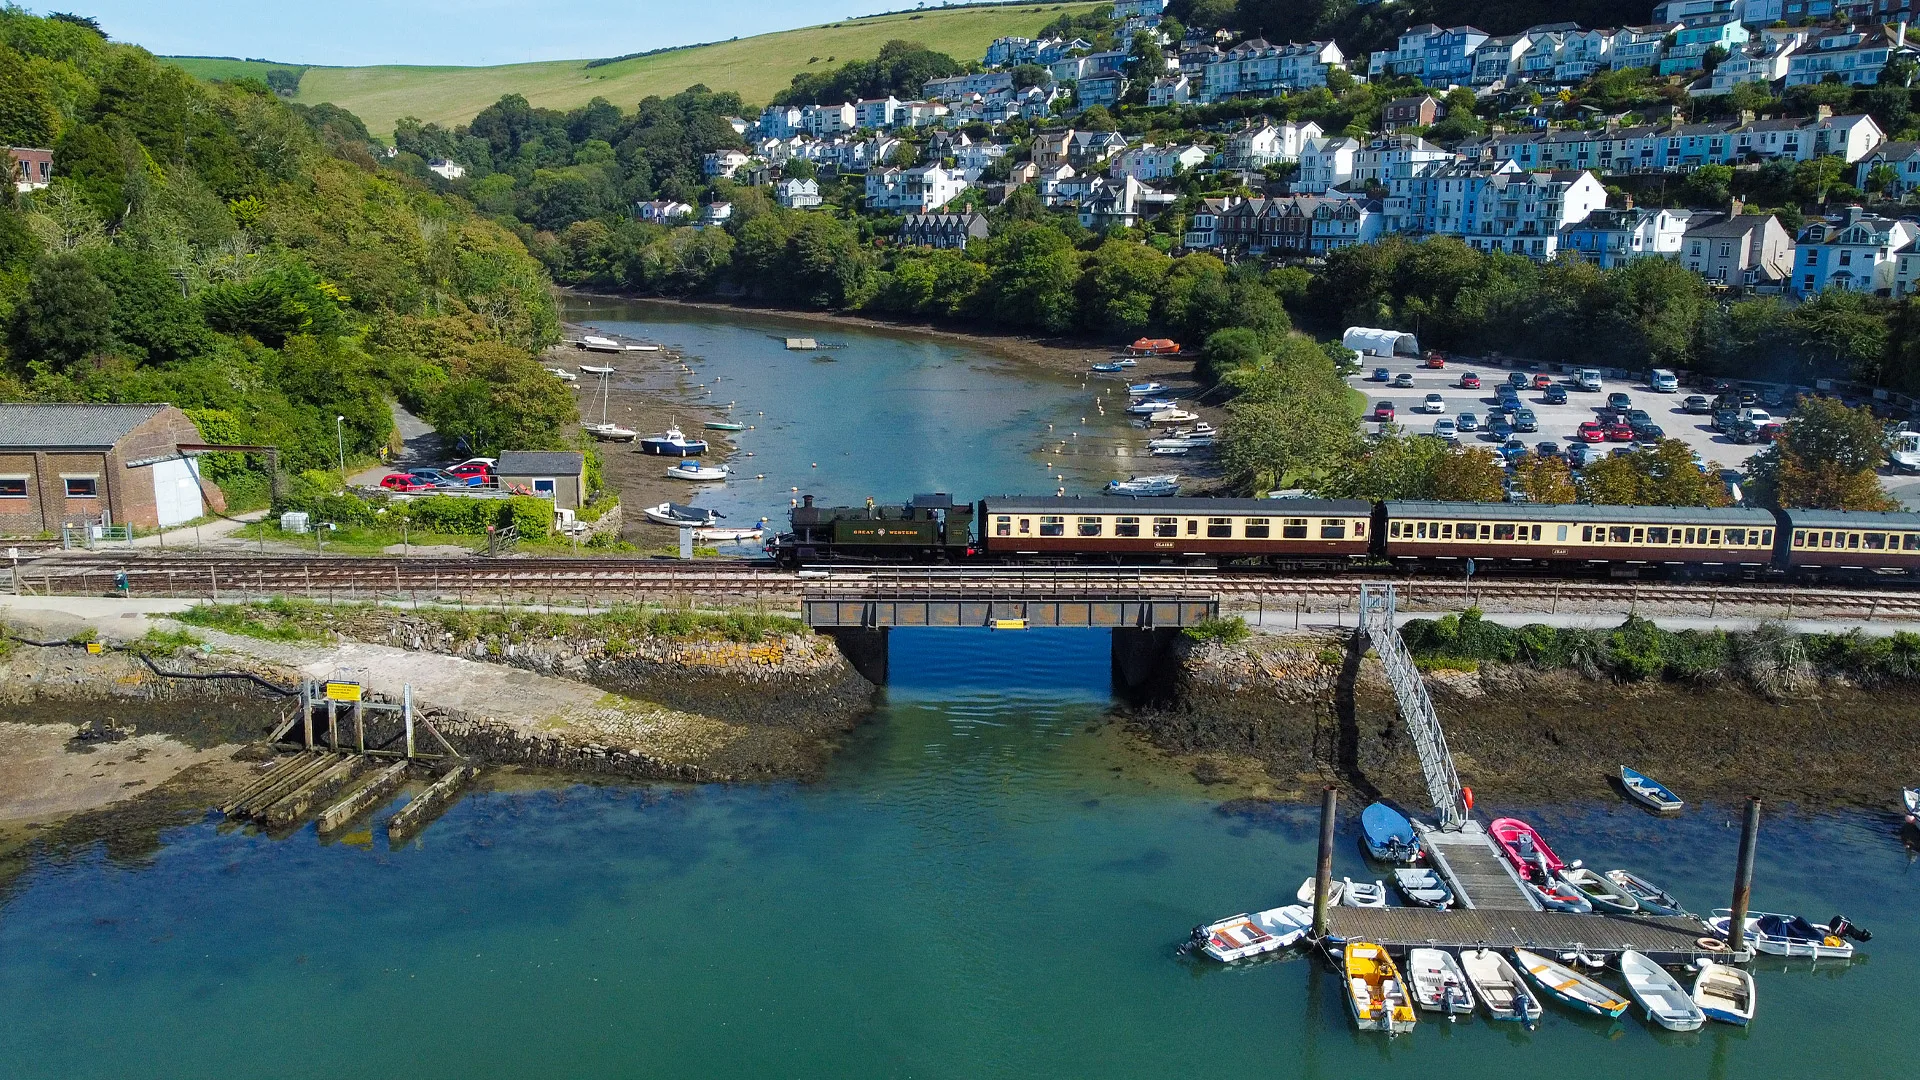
x=1649, y=792
x=1389, y=836
x=1109, y=367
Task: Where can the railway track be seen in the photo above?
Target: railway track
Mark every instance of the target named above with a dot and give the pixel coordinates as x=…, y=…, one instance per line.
x=611, y=580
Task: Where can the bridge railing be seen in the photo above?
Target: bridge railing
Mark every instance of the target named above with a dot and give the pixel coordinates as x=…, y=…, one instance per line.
x=1416, y=706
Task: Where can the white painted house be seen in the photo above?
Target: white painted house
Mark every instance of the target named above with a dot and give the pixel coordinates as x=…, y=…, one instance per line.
x=913, y=191
x=1855, y=253
x=1258, y=147
x=1326, y=162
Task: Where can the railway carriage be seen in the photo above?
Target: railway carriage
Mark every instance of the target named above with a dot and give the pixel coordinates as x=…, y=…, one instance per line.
x=1851, y=541
x=1278, y=532
x=1624, y=540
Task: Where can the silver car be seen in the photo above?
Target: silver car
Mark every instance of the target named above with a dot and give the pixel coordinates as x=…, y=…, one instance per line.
x=1467, y=421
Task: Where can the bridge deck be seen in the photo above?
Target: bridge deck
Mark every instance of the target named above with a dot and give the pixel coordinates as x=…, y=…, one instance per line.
x=932, y=609
x=1666, y=940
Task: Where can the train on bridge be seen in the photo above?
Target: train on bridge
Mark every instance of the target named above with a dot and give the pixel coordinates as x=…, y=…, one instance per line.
x=1332, y=535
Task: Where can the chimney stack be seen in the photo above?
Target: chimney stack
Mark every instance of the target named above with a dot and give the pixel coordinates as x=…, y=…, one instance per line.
x=1822, y=112
x=806, y=500
x=1735, y=207
x=1746, y=117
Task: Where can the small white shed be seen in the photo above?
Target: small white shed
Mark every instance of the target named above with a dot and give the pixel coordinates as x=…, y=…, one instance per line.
x=1368, y=341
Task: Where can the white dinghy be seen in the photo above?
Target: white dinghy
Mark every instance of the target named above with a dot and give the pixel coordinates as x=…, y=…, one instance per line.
x=1499, y=986
x=1335, y=888
x=1666, y=1001
x=1361, y=894
x=1725, y=993
x=1438, y=983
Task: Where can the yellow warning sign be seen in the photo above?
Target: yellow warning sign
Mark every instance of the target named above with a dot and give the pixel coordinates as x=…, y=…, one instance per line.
x=343, y=691
x=94, y=647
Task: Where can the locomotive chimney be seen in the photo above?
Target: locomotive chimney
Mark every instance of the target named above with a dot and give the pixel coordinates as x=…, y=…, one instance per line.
x=806, y=500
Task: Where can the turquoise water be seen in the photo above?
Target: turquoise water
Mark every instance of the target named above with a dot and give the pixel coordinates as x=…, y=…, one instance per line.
x=880, y=415
x=990, y=883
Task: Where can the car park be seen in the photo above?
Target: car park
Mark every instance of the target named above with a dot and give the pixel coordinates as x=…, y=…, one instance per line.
x=407, y=483
x=1403, y=381
x=1619, y=402
x=1383, y=411
x=1662, y=381
x=1467, y=421
x=1469, y=381
x=1592, y=432
x=1446, y=429
x=1524, y=420
x=1381, y=374
x=1697, y=404
x=1553, y=395
x=1434, y=403
x=1435, y=360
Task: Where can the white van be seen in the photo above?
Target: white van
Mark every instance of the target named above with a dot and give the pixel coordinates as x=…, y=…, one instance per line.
x=1587, y=379
x=1663, y=381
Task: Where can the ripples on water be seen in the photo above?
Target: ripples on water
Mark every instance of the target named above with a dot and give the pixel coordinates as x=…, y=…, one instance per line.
x=990, y=883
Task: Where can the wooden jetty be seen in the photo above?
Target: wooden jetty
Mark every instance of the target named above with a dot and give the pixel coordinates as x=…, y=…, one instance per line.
x=1667, y=940
x=1481, y=879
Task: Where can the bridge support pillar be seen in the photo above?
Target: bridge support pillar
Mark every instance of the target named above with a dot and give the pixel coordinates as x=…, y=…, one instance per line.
x=1139, y=656
x=866, y=649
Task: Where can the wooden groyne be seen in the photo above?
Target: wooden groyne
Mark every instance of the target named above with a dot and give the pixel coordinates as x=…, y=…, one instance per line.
x=429, y=804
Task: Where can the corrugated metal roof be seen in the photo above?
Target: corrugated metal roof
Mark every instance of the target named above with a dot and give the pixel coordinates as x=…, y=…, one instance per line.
x=526, y=462
x=69, y=427
x=1851, y=519
x=1579, y=512
x=1046, y=504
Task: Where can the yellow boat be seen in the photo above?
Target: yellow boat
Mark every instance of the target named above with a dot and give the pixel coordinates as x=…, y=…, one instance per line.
x=1375, y=990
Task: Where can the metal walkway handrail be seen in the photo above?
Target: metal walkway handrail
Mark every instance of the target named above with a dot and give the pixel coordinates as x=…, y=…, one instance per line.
x=1416, y=707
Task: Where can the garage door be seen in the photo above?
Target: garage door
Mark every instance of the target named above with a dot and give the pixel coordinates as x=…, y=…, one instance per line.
x=176, y=491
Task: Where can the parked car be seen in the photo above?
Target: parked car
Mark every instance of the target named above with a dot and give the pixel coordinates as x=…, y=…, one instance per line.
x=1587, y=379
x=1516, y=493
x=1769, y=432
x=1524, y=420
x=407, y=482
x=473, y=472
x=1501, y=429
x=1467, y=421
x=1740, y=431
x=1756, y=416
x=1619, y=402
x=1637, y=417
x=1723, y=419
x=439, y=478
x=1446, y=429
x=1381, y=374
x=1514, y=451
x=1542, y=380
x=1403, y=381
x=1648, y=432
x=1663, y=381
x=1553, y=395
x=1507, y=395
x=1697, y=405
x=1620, y=433
x=1469, y=381
x=1517, y=380
x=1592, y=432
x=1383, y=411
x=1434, y=403
x=1579, y=454
x=1547, y=448
x=1435, y=360
x=1731, y=480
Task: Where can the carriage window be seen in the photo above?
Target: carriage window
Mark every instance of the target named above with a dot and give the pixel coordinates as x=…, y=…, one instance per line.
x=1257, y=529
x=1826, y=539
x=1691, y=538
x=1026, y=526
x=1876, y=541
x=1910, y=542
x=1420, y=530
x=1220, y=528
x=1293, y=528
x=1639, y=535
x=1193, y=526
x=1736, y=536
x=1713, y=537
x=1166, y=526
x=1053, y=526
x=1359, y=528
x=1126, y=526
x=1003, y=526
x=1619, y=534
x=1393, y=528
x=1766, y=537
x=1800, y=538
x=1656, y=535
x=1586, y=534
x=1560, y=533
x=1467, y=530
x=1333, y=530
x=1446, y=530
x=1853, y=540
x=1536, y=532
x=1503, y=532
x=1090, y=526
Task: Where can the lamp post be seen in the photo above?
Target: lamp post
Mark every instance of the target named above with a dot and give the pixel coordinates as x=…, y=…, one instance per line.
x=340, y=440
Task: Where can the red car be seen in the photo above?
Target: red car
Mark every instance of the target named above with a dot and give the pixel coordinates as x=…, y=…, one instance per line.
x=1768, y=432
x=408, y=482
x=1469, y=381
x=468, y=470
x=1435, y=361
x=1591, y=431
x=1542, y=381
x=1620, y=433
x=1383, y=412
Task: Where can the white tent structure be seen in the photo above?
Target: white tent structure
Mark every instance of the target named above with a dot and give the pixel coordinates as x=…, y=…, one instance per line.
x=1370, y=342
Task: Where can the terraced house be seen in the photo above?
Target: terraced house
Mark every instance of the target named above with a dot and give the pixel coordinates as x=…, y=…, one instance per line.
x=1856, y=253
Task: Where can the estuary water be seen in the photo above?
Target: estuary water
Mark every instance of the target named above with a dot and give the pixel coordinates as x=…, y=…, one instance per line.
x=991, y=882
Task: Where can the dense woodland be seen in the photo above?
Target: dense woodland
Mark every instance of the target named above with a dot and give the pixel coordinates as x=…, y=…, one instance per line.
x=214, y=247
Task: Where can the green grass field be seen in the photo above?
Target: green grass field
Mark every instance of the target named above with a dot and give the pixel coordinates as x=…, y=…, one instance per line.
x=754, y=67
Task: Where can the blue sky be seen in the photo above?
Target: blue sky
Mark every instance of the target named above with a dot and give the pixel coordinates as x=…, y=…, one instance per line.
x=356, y=32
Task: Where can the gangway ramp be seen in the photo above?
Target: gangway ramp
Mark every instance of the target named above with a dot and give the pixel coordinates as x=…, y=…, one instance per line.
x=1482, y=880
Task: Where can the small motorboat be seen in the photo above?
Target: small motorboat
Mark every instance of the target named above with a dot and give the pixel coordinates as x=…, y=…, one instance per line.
x=1438, y=983
x=1109, y=367
x=643, y=348
x=596, y=343
x=1143, y=389
x=596, y=369
x=1254, y=934
x=1910, y=799
x=563, y=374
x=1423, y=888
x=1557, y=895
x=1162, y=486
x=1361, y=894
x=1725, y=993
x=610, y=432
x=1603, y=894
x=723, y=425
x=1124, y=362
x=728, y=536
x=1569, y=987
x=1335, y=888
x=1499, y=986
x=1168, y=451
x=1375, y=991
x=1791, y=935
x=1389, y=835
x=1186, y=442
x=1524, y=848
x=1649, y=792
x=1666, y=1001
x=678, y=516
x=673, y=443
x=1149, y=406
x=695, y=469
x=1172, y=416
x=1652, y=898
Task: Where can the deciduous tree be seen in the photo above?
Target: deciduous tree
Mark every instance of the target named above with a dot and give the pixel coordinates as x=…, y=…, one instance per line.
x=1824, y=459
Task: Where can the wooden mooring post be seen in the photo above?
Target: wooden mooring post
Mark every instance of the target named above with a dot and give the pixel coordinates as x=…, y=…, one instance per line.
x=1743, y=876
x=1323, y=869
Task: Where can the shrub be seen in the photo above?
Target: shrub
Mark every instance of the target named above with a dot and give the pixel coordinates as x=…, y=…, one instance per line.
x=1228, y=631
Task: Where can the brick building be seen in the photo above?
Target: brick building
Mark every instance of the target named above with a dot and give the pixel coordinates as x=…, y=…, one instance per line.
x=94, y=464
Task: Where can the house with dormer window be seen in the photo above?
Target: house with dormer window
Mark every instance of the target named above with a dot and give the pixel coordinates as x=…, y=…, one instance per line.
x=1855, y=253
